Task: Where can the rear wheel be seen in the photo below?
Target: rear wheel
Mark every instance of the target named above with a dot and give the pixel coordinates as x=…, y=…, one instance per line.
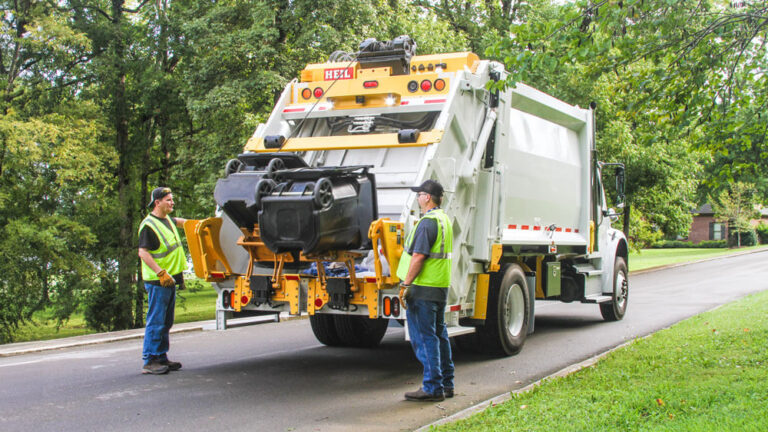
x=324, y=328
x=617, y=307
x=509, y=313
x=360, y=331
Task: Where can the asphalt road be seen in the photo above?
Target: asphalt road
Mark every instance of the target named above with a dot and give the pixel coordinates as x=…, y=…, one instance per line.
x=277, y=377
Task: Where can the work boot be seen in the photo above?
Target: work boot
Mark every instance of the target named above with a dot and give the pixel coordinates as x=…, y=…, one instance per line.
x=421, y=396
x=172, y=365
x=154, y=367
x=448, y=392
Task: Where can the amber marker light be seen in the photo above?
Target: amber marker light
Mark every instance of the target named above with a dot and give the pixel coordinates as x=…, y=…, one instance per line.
x=439, y=85
x=306, y=93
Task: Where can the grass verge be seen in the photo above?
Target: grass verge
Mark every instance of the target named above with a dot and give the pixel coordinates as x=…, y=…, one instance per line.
x=649, y=258
x=197, y=303
x=704, y=373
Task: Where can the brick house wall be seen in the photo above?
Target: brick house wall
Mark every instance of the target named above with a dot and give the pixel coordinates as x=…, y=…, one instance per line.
x=700, y=228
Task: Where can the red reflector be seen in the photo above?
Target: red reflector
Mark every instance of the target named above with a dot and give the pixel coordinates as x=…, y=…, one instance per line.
x=395, y=306
x=439, y=85
x=318, y=303
x=318, y=92
x=371, y=84
x=292, y=277
x=243, y=300
x=454, y=308
x=387, y=306
x=218, y=275
x=426, y=85
x=370, y=279
x=434, y=101
x=306, y=93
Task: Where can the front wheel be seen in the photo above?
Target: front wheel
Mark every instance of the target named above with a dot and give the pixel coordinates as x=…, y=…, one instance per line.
x=617, y=307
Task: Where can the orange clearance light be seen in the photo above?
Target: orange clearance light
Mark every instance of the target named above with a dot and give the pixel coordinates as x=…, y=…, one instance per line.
x=306, y=93
x=387, y=306
x=318, y=303
x=371, y=84
x=318, y=92
x=439, y=85
x=426, y=85
x=232, y=297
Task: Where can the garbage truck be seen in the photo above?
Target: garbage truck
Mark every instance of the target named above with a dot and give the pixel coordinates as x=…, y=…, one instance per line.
x=312, y=215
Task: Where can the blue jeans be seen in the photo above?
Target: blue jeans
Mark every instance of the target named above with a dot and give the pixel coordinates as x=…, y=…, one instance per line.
x=162, y=301
x=429, y=339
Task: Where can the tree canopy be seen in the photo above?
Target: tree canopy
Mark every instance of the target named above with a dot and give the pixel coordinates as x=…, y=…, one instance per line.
x=100, y=101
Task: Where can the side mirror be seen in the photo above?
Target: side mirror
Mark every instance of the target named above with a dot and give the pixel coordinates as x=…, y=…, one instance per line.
x=620, y=183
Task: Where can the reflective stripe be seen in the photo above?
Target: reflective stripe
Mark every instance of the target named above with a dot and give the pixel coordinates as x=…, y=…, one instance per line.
x=168, y=247
x=441, y=255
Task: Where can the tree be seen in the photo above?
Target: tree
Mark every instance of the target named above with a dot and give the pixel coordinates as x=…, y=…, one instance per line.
x=736, y=206
x=683, y=95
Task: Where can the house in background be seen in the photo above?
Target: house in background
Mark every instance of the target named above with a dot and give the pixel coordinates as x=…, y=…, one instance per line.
x=705, y=227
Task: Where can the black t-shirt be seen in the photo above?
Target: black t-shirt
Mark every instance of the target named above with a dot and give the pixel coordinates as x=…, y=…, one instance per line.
x=147, y=237
x=148, y=240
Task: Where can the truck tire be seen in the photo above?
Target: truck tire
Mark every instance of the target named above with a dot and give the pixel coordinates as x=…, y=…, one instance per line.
x=360, y=331
x=617, y=307
x=509, y=313
x=324, y=328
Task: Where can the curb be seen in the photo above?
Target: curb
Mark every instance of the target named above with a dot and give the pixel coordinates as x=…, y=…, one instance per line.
x=482, y=406
x=21, y=348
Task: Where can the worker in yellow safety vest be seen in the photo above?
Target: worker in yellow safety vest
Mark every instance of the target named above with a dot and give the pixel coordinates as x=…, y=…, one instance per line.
x=162, y=265
x=425, y=272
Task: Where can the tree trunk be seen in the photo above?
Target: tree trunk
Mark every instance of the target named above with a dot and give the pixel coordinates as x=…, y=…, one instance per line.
x=126, y=251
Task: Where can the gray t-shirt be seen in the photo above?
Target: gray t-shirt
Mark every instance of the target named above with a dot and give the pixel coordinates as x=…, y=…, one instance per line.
x=423, y=239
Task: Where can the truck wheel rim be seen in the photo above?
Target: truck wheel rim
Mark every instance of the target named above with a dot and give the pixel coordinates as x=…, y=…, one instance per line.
x=514, y=309
x=621, y=290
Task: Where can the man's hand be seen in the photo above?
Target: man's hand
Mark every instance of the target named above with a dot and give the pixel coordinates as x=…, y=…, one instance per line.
x=403, y=294
x=165, y=279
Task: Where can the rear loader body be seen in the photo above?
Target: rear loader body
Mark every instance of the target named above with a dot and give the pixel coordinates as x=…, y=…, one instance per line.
x=315, y=211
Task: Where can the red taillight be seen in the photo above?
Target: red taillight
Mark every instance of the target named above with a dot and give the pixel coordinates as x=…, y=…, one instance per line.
x=426, y=85
x=318, y=92
x=439, y=85
x=395, y=306
x=306, y=93
x=387, y=306
x=225, y=300
x=318, y=303
x=371, y=84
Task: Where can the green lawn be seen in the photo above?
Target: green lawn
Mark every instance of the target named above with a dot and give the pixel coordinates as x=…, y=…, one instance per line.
x=198, y=303
x=707, y=373
x=648, y=258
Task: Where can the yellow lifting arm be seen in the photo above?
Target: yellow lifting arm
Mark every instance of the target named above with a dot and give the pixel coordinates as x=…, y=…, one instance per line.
x=207, y=257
